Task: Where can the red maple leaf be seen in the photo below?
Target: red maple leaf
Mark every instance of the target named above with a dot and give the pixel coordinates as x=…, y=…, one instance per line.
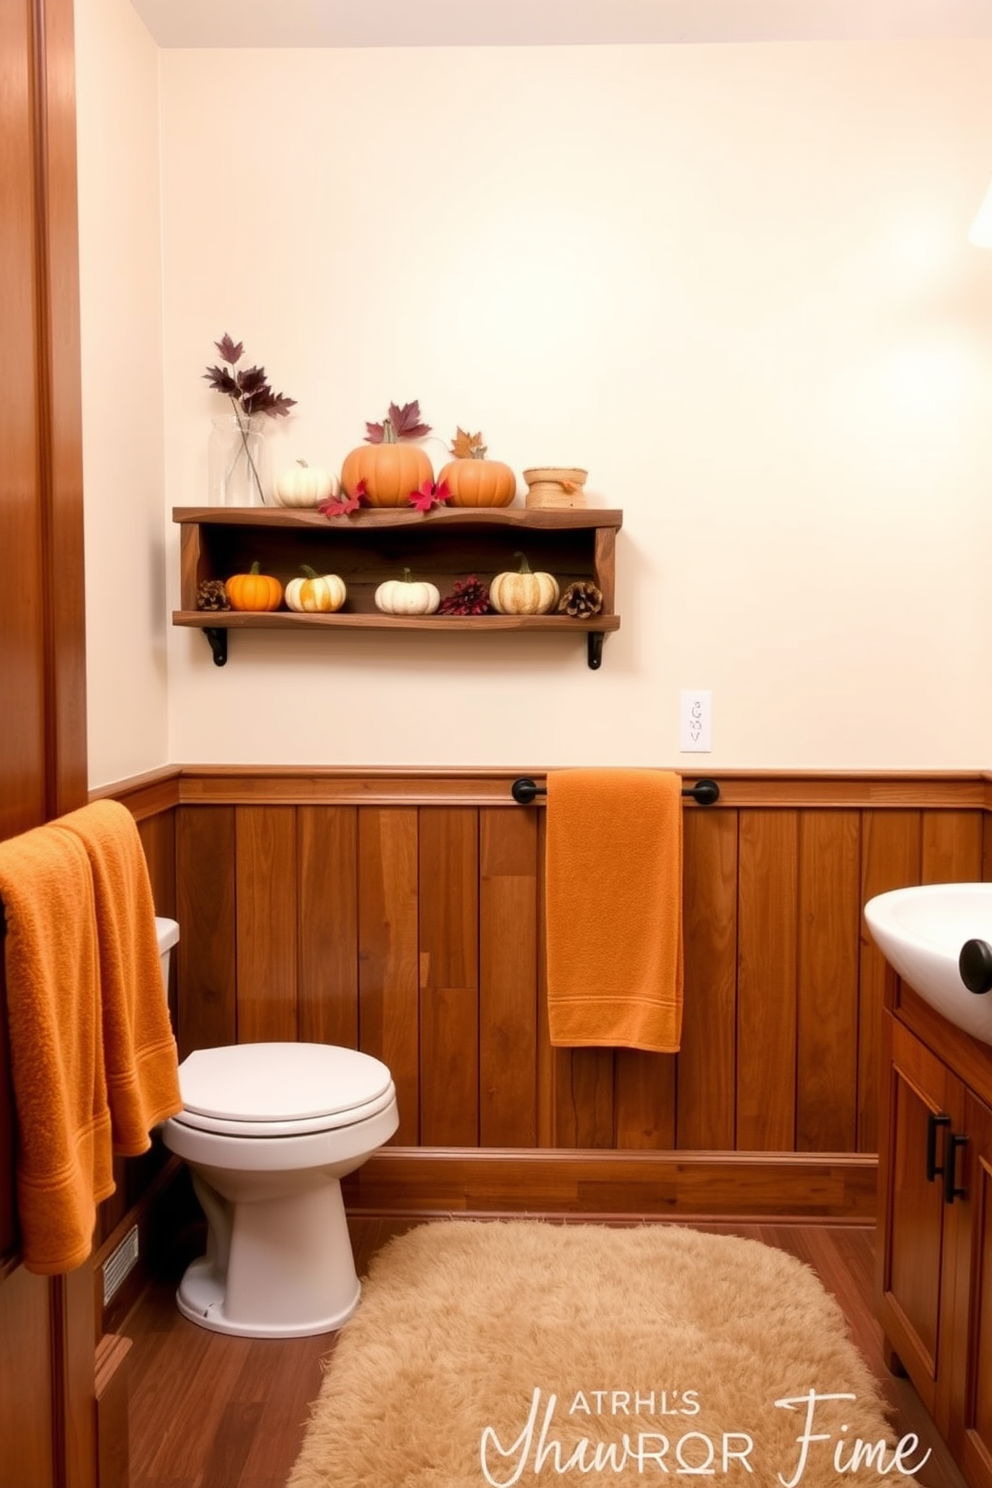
x=344, y=505
x=429, y=495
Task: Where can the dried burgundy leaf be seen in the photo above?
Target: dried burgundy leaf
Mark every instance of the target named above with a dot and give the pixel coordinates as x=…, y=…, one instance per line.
x=229, y=352
x=399, y=423
x=222, y=382
x=251, y=380
x=406, y=421
x=248, y=389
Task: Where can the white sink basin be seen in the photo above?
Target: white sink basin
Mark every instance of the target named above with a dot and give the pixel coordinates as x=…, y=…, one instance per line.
x=921, y=932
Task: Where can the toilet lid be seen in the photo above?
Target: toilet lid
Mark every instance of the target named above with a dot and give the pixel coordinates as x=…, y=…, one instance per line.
x=281, y=1085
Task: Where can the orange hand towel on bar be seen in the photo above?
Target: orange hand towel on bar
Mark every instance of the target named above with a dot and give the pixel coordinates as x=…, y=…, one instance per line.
x=64, y=1165
x=613, y=896
x=139, y=1049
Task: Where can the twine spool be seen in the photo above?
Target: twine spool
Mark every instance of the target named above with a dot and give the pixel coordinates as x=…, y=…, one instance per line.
x=554, y=486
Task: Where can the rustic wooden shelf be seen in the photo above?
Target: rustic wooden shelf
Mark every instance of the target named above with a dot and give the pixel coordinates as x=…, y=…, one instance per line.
x=372, y=546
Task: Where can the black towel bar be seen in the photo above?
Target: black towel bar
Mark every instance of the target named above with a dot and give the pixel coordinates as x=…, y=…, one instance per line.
x=704, y=792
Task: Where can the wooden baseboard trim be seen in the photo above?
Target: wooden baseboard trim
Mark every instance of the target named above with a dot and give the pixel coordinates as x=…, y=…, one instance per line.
x=839, y=1187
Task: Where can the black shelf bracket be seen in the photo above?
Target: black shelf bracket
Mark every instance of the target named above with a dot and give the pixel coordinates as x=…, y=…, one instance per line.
x=217, y=637
x=596, y=638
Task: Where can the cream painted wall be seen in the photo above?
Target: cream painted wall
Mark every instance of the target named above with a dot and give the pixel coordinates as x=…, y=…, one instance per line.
x=732, y=281
x=121, y=332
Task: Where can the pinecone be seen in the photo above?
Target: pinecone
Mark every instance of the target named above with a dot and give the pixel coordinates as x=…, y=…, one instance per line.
x=581, y=600
x=469, y=597
x=211, y=595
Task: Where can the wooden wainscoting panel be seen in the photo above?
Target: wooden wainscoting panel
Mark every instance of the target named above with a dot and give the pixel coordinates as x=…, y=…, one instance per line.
x=449, y=975
x=952, y=846
x=327, y=840
x=644, y=1099
x=509, y=898
x=707, y=1060
x=205, y=908
x=415, y=930
x=158, y=838
x=585, y=1096
x=388, y=981
x=829, y=910
x=27, y=1399
x=266, y=922
x=891, y=845
x=766, y=980
x=113, y=1455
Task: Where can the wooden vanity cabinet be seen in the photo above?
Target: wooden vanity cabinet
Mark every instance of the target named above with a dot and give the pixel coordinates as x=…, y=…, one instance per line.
x=935, y=1223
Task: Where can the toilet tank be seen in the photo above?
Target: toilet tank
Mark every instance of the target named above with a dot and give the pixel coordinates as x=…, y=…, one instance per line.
x=168, y=934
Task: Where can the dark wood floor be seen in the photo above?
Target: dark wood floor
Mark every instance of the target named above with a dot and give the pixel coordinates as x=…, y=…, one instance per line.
x=208, y=1411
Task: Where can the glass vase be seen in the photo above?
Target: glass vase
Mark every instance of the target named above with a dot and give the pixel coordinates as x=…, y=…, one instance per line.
x=236, y=460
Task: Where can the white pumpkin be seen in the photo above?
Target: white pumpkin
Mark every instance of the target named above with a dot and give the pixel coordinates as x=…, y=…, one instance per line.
x=316, y=593
x=305, y=485
x=407, y=596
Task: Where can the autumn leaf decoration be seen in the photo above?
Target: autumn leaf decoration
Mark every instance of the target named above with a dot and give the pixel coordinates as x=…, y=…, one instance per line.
x=399, y=423
x=247, y=387
x=468, y=446
x=249, y=391
x=430, y=494
x=344, y=505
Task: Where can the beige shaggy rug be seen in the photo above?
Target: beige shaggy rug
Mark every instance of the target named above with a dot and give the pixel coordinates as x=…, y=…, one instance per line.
x=494, y=1353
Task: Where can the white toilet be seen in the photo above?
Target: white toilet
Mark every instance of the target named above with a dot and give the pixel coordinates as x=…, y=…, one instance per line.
x=268, y=1132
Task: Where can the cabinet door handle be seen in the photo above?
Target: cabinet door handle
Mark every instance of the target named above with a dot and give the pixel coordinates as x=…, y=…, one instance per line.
x=933, y=1122
x=954, y=1141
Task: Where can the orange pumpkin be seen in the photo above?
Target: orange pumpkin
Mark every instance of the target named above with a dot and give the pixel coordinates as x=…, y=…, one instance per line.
x=479, y=482
x=391, y=472
x=254, y=590
x=472, y=479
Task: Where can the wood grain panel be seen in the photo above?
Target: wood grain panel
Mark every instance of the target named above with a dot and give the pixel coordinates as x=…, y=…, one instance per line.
x=266, y=896
x=206, y=956
x=508, y=977
x=644, y=1099
x=23, y=782
x=58, y=339
x=890, y=859
x=584, y=1089
x=951, y=847
x=449, y=975
x=27, y=1403
x=766, y=987
x=158, y=838
x=419, y=936
x=422, y=1181
x=707, y=1059
x=829, y=912
x=328, y=928
x=388, y=983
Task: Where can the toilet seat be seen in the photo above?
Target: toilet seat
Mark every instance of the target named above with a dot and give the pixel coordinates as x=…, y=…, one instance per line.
x=281, y=1089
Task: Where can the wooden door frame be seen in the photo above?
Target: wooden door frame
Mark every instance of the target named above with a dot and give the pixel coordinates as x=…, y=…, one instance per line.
x=43, y=641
